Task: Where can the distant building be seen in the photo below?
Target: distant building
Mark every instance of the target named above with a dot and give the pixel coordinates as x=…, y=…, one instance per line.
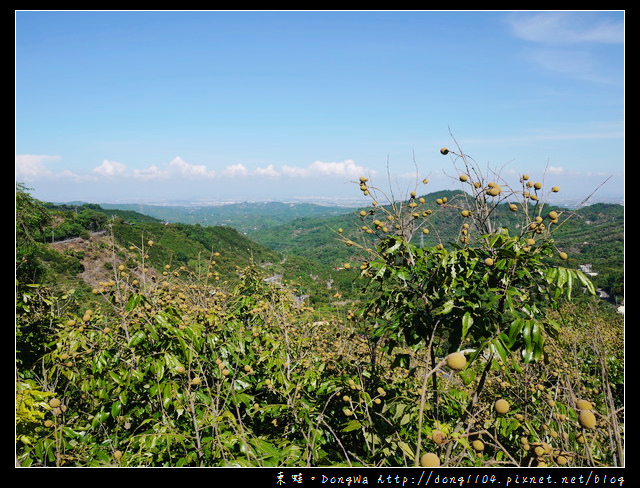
x=274, y=279
x=586, y=269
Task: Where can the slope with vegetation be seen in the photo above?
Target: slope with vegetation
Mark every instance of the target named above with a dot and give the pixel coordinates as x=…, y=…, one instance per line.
x=488, y=350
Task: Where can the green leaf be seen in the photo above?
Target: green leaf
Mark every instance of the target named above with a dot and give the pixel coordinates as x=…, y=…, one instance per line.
x=561, y=277
x=514, y=331
x=569, y=283
x=265, y=448
x=401, y=361
x=467, y=322
x=585, y=281
x=380, y=272
x=137, y=338
x=500, y=349
x=352, y=425
x=395, y=246
x=117, y=378
x=167, y=394
x=406, y=449
x=133, y=302
x=446, y=308
x=115, y=409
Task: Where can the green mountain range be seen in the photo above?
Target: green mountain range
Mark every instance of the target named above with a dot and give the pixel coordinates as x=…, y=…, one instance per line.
x=300, y=242
x=244, y=216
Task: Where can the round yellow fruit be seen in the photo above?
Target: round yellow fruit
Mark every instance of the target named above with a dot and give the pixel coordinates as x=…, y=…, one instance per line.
x=456, y=361
x=117, y=454
x=555, y=189
x=48, y=423
x=464, y=178
x=587, y=419
x=488, y=262
x=501, y=406
x=584, y=405
x=180, y=369
x=444, y=151
x=429, y=460
x=553, y=215
x=563, y=255
x=437, y=436
x=478, y=445
x=465, y=213
x=54, y=403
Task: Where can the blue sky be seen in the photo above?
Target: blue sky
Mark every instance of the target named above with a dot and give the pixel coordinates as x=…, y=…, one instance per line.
x=128, y=106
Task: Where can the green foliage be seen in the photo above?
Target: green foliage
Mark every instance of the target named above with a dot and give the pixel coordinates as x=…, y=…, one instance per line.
x=167, y=364
x=31, y=219
x=488, y=290
x=31, y=408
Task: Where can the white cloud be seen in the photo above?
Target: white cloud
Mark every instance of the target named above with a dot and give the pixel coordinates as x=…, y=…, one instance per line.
x=236, y=170
x=240, y=170
x=570, y=43
x=150, y=173
x=110, y=168
x=294, y=171
x=347, y=168
x=182, y=168
x=177, y=167
x=32, y=166
x=268, y=171
x=566, y=27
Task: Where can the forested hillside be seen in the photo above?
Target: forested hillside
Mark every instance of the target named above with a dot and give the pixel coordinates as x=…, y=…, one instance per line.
x=176, y=245
x=594, y=235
